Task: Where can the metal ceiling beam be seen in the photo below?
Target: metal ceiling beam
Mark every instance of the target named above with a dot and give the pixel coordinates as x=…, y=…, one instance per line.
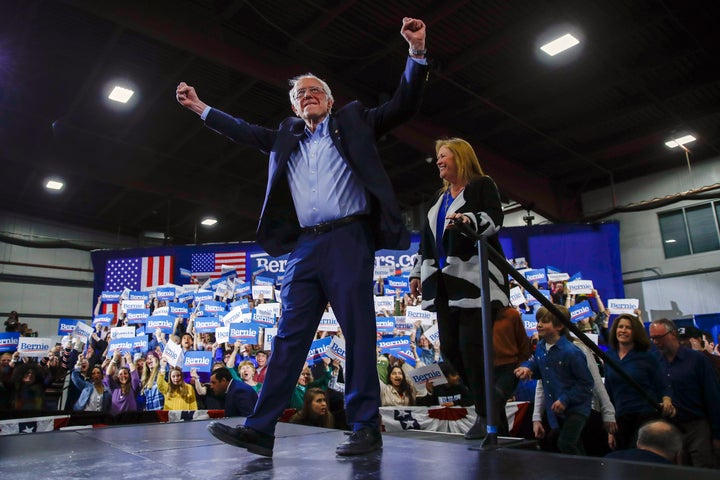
x=161, y=21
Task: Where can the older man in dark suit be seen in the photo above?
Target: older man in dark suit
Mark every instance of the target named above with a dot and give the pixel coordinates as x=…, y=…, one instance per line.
x=330, y=204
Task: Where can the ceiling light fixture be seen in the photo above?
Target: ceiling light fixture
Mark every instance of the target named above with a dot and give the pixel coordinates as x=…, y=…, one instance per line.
x=53, y=184
x=560, y=44
x=672, y=240
x=209, y=221
x=120, y=94
x=676, y=142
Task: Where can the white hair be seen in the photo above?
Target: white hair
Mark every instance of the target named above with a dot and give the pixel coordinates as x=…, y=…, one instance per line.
x=295, y=80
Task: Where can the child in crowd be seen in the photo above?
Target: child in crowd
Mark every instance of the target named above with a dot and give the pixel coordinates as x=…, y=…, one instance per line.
x=567, y=381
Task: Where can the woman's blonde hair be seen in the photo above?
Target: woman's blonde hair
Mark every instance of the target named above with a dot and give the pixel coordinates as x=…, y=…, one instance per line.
x=467, y=162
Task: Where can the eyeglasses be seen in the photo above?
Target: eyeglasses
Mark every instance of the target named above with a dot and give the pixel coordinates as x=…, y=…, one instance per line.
x=658, y=337
x=313, y=91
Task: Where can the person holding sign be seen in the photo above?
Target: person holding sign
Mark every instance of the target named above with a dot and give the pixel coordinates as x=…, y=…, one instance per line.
x=124, y=383
x=178, y=394
x=328, y=196
x=447, y=269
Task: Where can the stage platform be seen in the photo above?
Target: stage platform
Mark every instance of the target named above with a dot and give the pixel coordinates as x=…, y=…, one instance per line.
x=185, y=450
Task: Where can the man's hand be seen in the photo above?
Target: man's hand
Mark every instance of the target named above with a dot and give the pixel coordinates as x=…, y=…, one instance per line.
x=187, y=97
x=413, y=30
x=415, y=287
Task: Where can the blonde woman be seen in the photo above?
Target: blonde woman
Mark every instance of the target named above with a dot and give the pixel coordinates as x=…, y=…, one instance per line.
x=178, y=394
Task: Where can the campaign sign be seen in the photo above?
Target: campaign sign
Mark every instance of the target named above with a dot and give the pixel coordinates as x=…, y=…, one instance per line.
x=66, y=326
x=228, y=272
x=385, y=325
x=269, y=308
x=317, y=350
x=385, y=302
x=83, y=330
x=537, y=275
x=206, y=324
x=519, y=262
x=415, y=312
x=122, y=332
x=211, y=307
x=140, y=330
x=186, y=297
x=110, y=297
x=581, y=311
x=221, y=290
x=384, y=271
x=184, y=272
x=269, y=337
x=398, y=284
x=530, y=323
x=618, y=306
x=131, y=304
x=407, y=355
x=33, y=347
x=216, y=282
x=242, y=303
x=242, y=289
x=516, y=296
x=144, y=296
x=390, y=343
x=246, y=333
x=166, y=293
x=328, y=322
x=164, y=322
x=237, y=315
x=577, y=287
x=264, y=281
x=263, y=291
x=530, y=300
x=401, y=323
x=203, y=295
x=577, y=276
x=550, y=269
x=201, y=361
x=336, y=349
x=9, y=341
x=263, y=317
x=557, y=277
x=432, y=334
x=222, y=334
x=140, y=344
x=178, y=309
x=104, y=319
x=137, y=316
x=429, y=373
x=120, y=344
x=173, y=353
x=162, y=310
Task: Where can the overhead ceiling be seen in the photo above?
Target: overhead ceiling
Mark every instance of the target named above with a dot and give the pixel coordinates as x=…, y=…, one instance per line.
x=546, y=129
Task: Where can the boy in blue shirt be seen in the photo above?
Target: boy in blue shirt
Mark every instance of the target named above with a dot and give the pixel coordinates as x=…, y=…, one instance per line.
x=567, y=382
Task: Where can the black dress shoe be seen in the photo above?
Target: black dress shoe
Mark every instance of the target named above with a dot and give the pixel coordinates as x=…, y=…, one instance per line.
x=478, y=431
x=361, y=441
x=244, y=437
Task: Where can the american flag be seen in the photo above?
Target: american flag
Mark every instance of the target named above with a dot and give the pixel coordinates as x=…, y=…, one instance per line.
x=211, y=263
x=138, y=273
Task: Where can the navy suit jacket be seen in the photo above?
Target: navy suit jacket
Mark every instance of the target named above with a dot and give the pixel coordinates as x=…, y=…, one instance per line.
x=354, y=130
x=240, y=399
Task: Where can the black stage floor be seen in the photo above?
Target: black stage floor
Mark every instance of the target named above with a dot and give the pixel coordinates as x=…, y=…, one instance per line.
x=187, y=451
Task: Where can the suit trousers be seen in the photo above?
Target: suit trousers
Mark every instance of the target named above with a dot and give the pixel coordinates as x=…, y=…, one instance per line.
x=336, y=266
